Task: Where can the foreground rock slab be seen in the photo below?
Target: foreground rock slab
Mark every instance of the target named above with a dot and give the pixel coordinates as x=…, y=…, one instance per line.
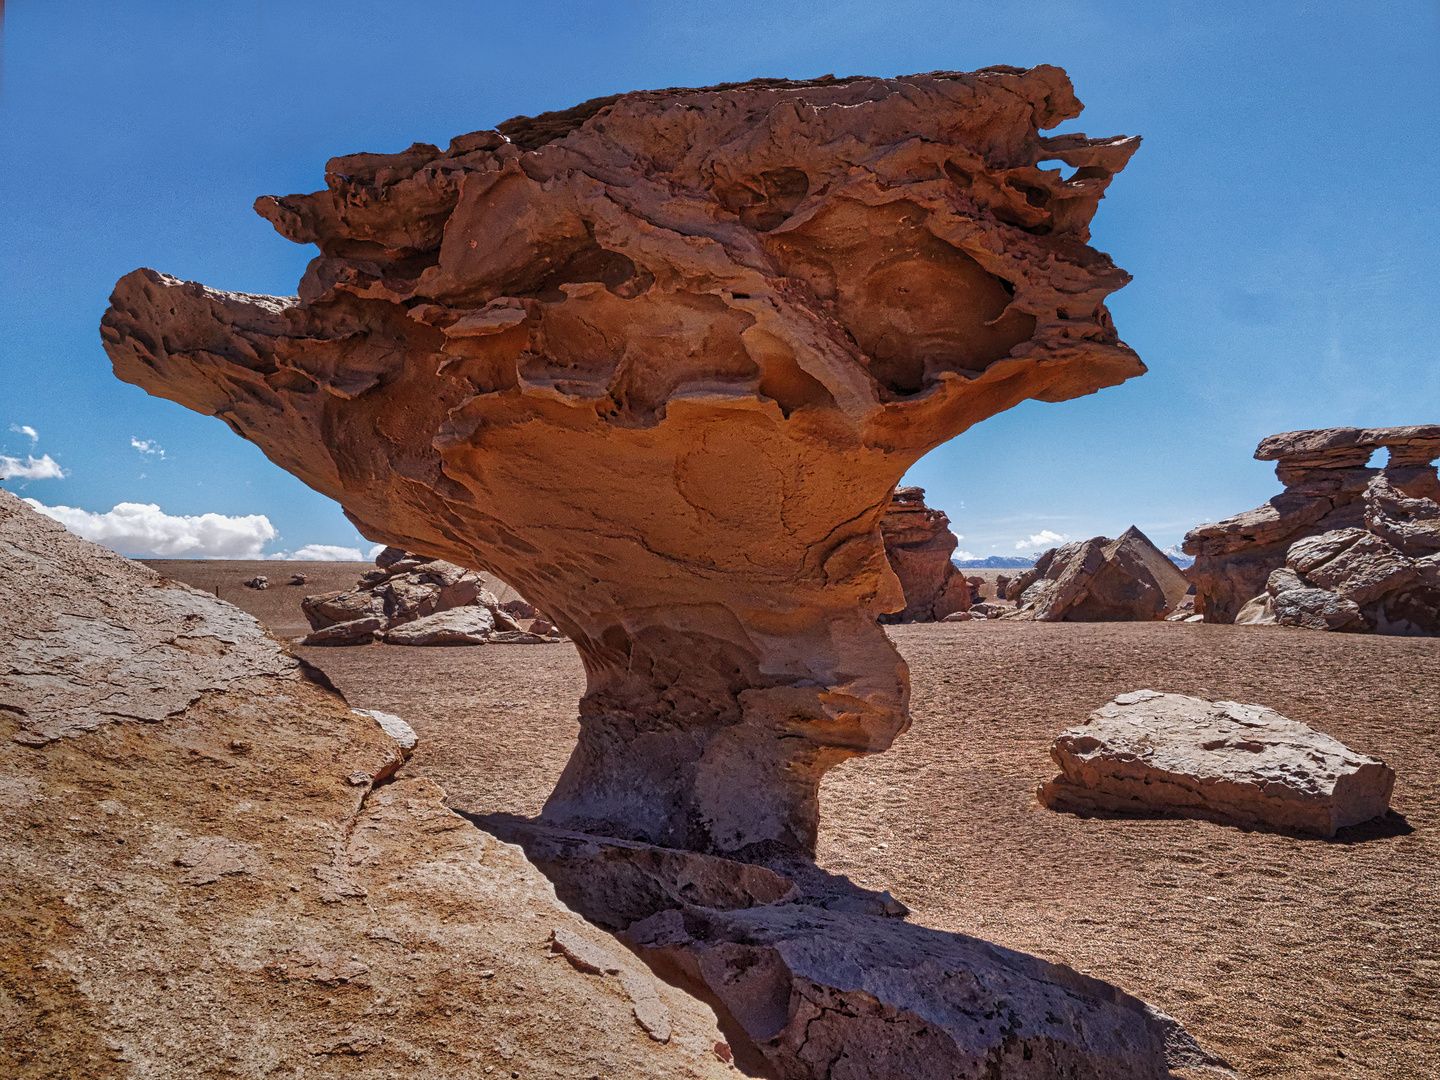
x=221, y=882
x=658, y=362
x=1247, y=765
x=815, y=978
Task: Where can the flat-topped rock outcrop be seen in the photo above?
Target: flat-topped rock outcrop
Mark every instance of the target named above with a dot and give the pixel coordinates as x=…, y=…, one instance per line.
x=1343, y=547
x=208, y=869
x=1127, y=579
x=1147, y=752
x=658, y=362
x=918, y=546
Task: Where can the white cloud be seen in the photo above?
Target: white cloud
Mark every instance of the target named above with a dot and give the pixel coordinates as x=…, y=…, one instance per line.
x=26, y=429
x=1041, y=540
x=320, y=553
x=32, y=468
x=147, y=446
x=375, y=552
x=964, y=556
x=143, y=530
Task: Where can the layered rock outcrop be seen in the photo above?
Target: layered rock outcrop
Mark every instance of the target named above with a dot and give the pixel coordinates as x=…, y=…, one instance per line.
x=918, y=546
x=1247, y=765
x=409, y=599
x=206, y=867
x=658, y=362
x=1127, y=579
x=1343, y=547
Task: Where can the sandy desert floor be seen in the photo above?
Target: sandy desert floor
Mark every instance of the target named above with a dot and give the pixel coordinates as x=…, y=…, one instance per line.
x=1290, y=958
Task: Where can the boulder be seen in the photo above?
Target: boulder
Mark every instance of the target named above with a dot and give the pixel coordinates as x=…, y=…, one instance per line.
x=210, y=868
x=258, y=582
x=298, y=579
x=1127, y=579
x=1339, y=526
x=459, y=626
x=919, y=546
x=360, y=631
x=1247, y=765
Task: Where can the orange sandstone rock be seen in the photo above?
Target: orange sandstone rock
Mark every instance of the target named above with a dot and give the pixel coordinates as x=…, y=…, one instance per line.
x=658, y=362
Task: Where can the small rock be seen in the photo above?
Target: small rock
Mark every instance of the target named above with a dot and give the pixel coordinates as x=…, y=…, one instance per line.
x=298, y=579
x=260, y=582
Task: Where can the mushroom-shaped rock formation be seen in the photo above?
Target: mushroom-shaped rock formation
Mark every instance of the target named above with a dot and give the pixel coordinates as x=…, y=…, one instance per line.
x=658, y=361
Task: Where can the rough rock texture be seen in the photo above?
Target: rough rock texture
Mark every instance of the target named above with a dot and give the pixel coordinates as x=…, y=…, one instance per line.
x=658, y=362
x=1247, y=765
x=219, y=883
x=1127, y=579
x=918, y=546
x=1367, y=539
x=814, y=977
x=409, y=599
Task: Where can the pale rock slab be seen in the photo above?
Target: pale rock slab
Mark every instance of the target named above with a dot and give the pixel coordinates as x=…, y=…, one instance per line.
x=1247, y=765
x=459, y=626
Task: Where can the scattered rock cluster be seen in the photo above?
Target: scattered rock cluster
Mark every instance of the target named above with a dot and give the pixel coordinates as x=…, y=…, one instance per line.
x=658, y=361
x=1127, y=579
x=1343, y=547
x=1147, y=752
x=210, y=867
x=918, y=545
x=411, y=600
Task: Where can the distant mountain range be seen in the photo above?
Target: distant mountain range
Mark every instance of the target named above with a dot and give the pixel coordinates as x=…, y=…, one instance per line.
x=1015, y=562
x=996, y=562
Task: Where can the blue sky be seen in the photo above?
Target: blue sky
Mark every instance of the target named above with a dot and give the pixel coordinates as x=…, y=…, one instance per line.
x=1279, y=220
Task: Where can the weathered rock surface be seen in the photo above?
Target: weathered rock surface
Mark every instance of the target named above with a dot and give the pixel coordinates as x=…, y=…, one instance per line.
x=219, y=882
x=1127, y=579
x=658, y=362
x=1359, y=535
x=1247, y=765
x=814, y=977
x=918, y=546
x=473, y=625
x=409, y=599
x=815, y=993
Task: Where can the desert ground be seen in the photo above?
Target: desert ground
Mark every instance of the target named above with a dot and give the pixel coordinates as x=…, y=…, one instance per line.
x=1289, y=958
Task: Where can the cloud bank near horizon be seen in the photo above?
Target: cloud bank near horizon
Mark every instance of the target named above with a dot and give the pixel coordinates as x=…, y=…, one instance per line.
x=319, y=553
x=143, y=530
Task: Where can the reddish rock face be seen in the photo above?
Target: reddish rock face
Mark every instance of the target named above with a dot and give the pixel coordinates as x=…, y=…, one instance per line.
x=658, y=362
x=918, y=546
